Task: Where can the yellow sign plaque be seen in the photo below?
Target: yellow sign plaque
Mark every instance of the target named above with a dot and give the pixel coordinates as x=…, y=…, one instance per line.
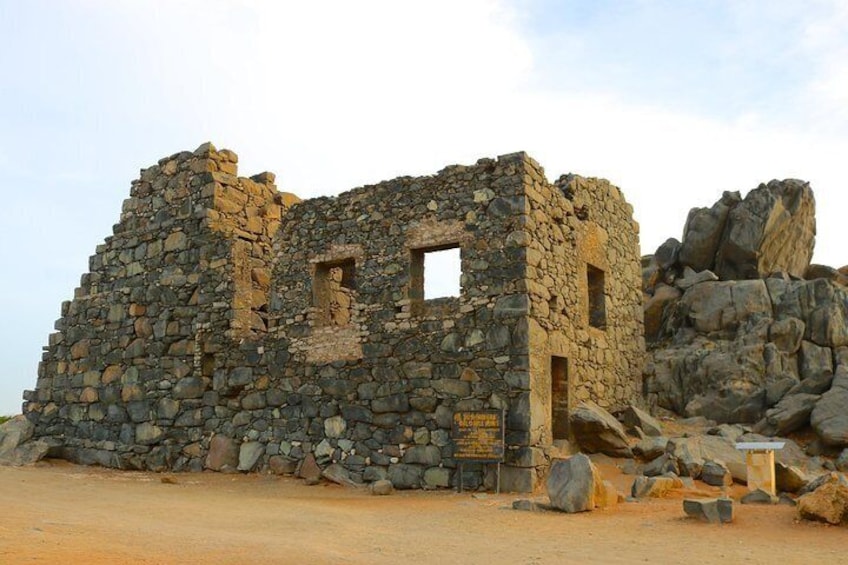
x=478, y=435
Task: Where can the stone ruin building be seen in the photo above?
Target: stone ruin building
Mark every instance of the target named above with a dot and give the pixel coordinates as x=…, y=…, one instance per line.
x=227, y=325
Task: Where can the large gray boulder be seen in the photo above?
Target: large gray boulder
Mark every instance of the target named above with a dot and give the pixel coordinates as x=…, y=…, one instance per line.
x=772, y=230
x=829, y=418
x=712, y=510
x=723, y=305
x=703, y=232
x=821, y=304
x=692, y=453
x=790, y=414
x=596, y=430
x=14, y=432
x=634, y=417
x=650, y=448
x=575, y=485
x=16, y=449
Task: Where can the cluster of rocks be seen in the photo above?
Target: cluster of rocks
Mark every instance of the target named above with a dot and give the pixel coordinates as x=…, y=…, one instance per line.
x=663, y=464
x=741, y=328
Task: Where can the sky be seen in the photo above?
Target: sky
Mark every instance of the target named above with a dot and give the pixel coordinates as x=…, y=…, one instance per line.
x=673, y=101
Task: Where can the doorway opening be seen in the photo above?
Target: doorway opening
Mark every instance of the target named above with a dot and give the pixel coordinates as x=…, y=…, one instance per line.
x=559, y=397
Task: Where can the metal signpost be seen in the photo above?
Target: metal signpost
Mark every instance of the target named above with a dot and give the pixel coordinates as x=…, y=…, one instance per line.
x=478, y=436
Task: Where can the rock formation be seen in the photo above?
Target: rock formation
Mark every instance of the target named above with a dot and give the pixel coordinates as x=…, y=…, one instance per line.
x=735, y=333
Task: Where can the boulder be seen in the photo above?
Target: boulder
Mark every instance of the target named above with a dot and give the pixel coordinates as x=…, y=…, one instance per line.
x=828, y=503
x=812, y=385
x=16, y=449
x=574, y=484
x=815, y=360
x=815, y=271
x=703, y=231
x=712, y=510
x=404, y=476
x=223, y=454
x=821, y=480
x=724, y=305
x=14, y=432
x=829, y=417
x=731, y=432
x=773, y=229
x=789, y=478
x=27, y=453
x=281, y=465
x=790, y=414
x=758, y=496
x=787, y=334
x=336, y=473
x=691, y=278
x=309, y=469
x=596, y=430
x=249, y=454
x=633, y=417
x=609, y=496
x=650, y=448
x=662, y=465
x=382, y=487
x=654, y=487
x=667, y=254
x=716, y=474
x=654, y=310
x=692, y=453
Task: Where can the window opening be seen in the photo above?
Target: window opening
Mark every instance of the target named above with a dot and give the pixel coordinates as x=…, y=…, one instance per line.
x=597, y=299
x=333, y=289
x=435, y=273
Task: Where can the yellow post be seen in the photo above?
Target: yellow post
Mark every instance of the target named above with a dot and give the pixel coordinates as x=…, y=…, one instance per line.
x=761, y=470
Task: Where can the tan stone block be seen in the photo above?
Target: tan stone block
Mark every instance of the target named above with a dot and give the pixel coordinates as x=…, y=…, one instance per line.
x=255, y=224
x=91, y=378
x=193, y=449
x=227, y=167
x=137, y=310
x=131, y=392
x=89, y=395
x=288, y=199
x=80, y=349
x=176, y=241
x=143, y=328
x=198, y=166
x=111, y=374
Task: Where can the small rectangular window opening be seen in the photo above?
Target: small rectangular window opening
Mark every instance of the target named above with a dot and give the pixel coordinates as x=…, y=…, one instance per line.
x=597, y=299
x=435, y=273
x=442, y=272
x=333, y=289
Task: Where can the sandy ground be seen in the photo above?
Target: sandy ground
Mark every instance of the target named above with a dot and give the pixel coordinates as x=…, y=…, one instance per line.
x=60, y=513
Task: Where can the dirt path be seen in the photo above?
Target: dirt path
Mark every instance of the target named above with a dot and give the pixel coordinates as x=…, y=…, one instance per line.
x=61, y=513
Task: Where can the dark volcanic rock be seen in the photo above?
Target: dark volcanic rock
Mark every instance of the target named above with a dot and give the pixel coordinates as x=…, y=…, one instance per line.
x=596, y=430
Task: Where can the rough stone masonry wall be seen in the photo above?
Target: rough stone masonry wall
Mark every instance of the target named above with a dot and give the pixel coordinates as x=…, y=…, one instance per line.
x=576, y=225
x=121, y=381
x=376, y=394
x=225, y=326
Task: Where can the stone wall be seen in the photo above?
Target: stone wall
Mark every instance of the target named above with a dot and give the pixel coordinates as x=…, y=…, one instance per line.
x=584, y=282
x=226, y=325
